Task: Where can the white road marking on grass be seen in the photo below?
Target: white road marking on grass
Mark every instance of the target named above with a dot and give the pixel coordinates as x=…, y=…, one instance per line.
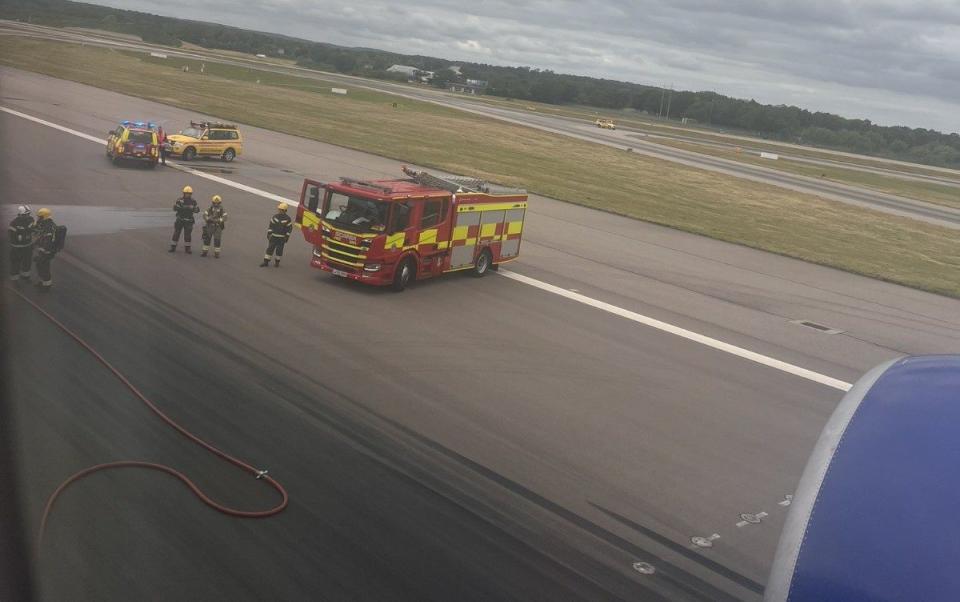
x=572, y=295
x=682, y=332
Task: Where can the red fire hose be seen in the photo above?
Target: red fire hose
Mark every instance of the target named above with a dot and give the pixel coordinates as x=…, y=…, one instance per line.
x=259, y=474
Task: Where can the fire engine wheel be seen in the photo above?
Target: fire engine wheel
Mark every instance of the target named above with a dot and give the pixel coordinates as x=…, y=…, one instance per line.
x=482, y=266
x=404, y=275
x=189, y=153
x=228, y=155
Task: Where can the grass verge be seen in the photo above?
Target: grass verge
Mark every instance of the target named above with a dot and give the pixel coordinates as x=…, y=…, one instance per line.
x=931, y=192
x=875, y=244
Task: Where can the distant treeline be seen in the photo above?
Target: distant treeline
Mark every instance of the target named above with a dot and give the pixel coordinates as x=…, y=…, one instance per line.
x=786, y=123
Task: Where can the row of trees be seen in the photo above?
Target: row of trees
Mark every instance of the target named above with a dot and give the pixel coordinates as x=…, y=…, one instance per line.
x=787, y=123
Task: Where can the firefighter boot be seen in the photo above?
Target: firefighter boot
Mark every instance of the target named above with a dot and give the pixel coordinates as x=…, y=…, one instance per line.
x=203, y=253
x=173, y=248
x=216, y=253
x=276, y=263
x=266, y=262
x=186, y=249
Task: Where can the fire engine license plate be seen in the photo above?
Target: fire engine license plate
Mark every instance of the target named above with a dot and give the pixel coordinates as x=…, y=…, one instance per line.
x=340, y=273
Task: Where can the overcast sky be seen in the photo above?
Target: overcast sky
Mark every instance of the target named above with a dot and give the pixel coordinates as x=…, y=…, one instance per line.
x=892, y=61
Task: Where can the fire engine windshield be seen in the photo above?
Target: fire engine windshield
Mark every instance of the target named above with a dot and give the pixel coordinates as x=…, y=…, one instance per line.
x=357, y=214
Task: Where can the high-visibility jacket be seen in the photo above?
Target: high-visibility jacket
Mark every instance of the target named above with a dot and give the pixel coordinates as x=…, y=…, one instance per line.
x=185, y=207
x=21, y=231
x=44, y=236
x=215, y=216
x=280, y=226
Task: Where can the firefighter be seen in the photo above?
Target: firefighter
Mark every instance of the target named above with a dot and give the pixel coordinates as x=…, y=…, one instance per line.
x=185, y=208
x=278, y=233
x=45, y=242
x=21, y=243
x=215, y=220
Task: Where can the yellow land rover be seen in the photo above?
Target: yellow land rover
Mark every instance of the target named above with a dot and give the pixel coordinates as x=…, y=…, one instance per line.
x=207, y=139
x=606, y=124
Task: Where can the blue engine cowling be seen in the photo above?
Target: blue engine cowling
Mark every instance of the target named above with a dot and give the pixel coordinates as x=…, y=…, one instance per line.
x=876, y=515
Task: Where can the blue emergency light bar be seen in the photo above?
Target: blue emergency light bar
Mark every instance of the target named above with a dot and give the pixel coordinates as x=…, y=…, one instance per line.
x=139, y=124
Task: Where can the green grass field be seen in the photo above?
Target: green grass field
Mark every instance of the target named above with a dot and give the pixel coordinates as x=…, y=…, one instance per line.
x=650, y=124
x=727, y=208
x=931, y=192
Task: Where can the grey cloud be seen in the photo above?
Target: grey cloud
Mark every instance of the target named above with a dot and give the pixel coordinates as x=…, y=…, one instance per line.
x=846, y=56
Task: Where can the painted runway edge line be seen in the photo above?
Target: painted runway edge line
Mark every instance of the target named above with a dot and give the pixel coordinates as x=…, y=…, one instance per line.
x=544, y=286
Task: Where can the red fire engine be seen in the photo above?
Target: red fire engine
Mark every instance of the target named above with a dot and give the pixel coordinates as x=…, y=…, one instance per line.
x=392, y=232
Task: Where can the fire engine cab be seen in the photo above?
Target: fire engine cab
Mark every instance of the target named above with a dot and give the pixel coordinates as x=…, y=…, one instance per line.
x=392, y=232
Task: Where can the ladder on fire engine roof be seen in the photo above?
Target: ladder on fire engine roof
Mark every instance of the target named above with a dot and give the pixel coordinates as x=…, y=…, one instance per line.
x=454, y=184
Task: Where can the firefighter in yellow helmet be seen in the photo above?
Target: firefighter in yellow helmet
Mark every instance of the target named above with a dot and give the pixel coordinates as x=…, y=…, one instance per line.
x=214, y=221
x=47, y=243
x=185, y=207
x=278, y=233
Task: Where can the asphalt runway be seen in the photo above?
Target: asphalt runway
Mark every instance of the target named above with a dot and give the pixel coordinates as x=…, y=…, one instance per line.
x=575, y=128
x=465, y=440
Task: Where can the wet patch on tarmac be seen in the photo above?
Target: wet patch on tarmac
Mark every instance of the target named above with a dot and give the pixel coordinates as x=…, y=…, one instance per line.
x=209, y=168
x=86, y=221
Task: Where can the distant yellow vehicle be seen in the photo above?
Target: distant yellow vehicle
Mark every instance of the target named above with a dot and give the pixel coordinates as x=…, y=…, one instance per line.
x=606, y=124
x=207, y=139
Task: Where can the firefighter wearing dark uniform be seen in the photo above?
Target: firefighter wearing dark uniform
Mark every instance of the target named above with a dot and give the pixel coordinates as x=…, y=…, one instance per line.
x=44, y=241
x=185, y=208
x=20, y=236
x=214, y=221
x=278, y=233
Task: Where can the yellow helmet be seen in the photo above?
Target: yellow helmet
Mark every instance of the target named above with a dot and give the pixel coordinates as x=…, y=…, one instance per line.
x=187, y=190
x=282, y=206
x=216, y=198
x=44, y=213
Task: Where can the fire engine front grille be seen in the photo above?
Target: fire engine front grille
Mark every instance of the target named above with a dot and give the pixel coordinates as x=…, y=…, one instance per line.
x=343, y=253
x=343, y=248
x=349, y=259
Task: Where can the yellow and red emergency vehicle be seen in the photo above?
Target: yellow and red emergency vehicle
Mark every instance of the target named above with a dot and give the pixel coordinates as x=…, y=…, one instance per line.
x=392, y=232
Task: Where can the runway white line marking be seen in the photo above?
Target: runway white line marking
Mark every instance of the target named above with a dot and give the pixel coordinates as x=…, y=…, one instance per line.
x=231, y=183
x=55, y=126
x=174, y=164
x=574, y=296
x=682, y=332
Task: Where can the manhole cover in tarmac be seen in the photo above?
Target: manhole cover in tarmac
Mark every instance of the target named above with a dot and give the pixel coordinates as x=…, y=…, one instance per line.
x=644, y=568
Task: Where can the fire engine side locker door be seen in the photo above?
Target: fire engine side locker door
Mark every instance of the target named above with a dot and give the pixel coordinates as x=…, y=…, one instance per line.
x=512, y=233
x=491, y=227
x=463, y=242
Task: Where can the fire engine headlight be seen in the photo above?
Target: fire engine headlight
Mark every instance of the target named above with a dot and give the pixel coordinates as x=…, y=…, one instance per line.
x=371, y=267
